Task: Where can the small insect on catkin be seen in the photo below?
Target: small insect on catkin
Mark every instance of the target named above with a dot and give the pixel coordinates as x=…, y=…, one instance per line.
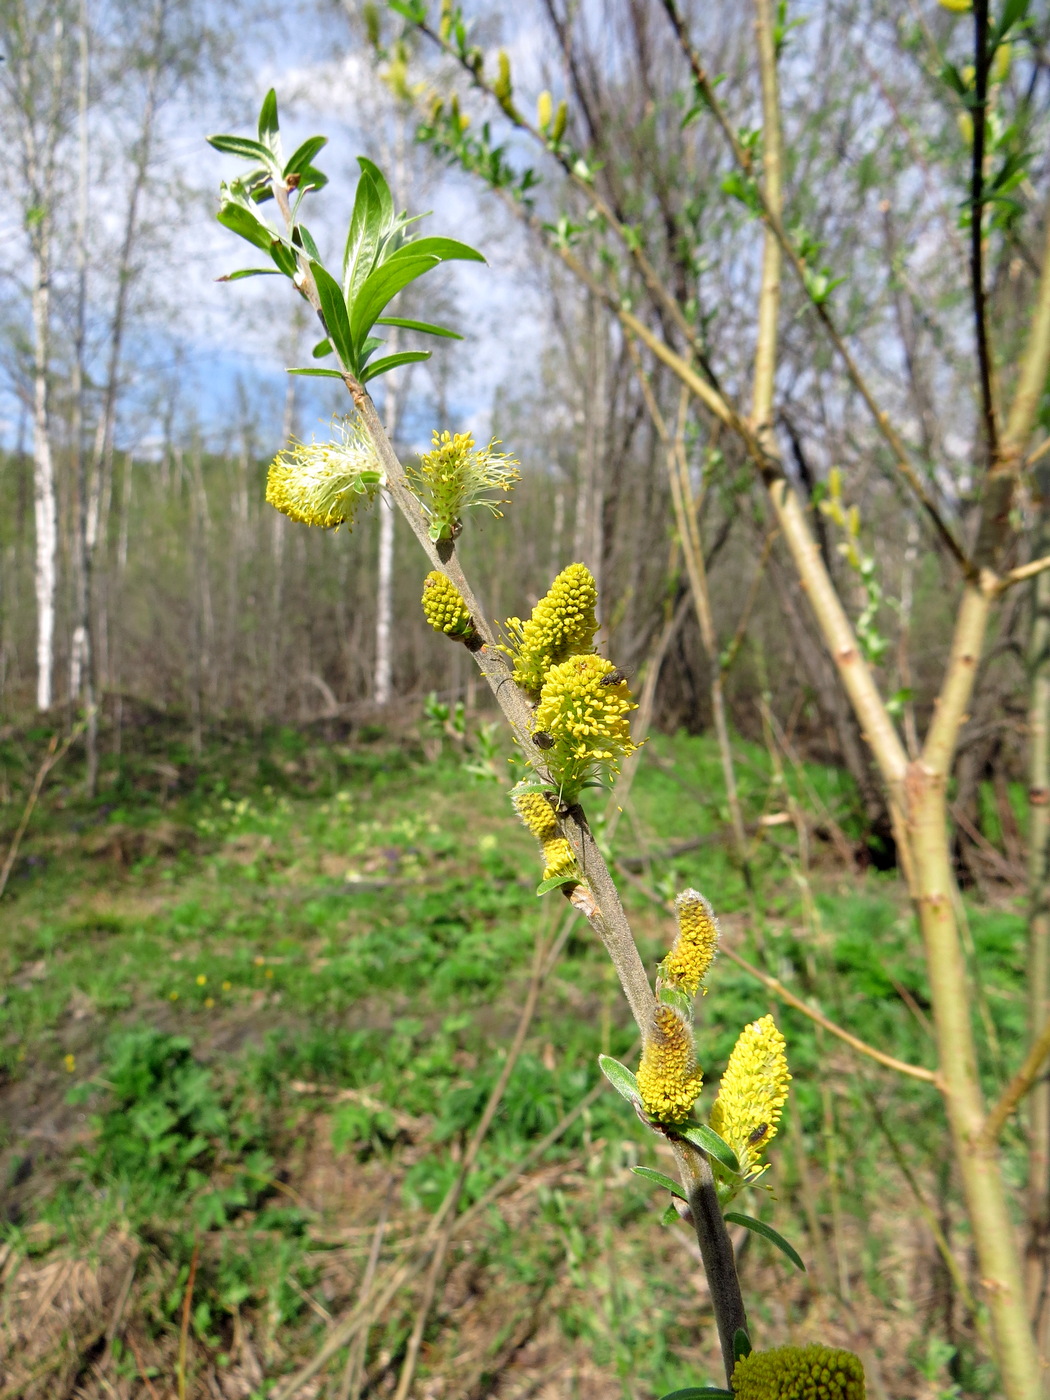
x=799, y=1373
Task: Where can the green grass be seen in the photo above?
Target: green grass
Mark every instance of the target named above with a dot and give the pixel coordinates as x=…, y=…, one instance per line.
x=215, y=929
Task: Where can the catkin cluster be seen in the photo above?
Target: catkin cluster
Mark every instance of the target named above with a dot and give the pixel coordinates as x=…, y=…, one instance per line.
x=563, y=624
x=325, y=483
x=799, y=1373
x=584, y=704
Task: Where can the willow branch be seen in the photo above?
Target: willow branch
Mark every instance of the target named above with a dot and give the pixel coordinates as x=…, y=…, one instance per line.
x=980, y=310
x=772, y=167
x=772, y=220
x=1017, y=1088
x=1021, y=573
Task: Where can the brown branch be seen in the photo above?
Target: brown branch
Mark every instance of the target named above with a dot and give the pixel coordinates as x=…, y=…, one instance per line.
x=1017, y=1088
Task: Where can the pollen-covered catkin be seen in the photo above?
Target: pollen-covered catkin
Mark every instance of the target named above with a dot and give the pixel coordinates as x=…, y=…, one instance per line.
x=752, y=1093
x=693, y=951
x=444, y=608
x=799, y=1373
x=669, y=1079
x=563, y=624
x=325, y=483
x=535, y=810
x=583, y=707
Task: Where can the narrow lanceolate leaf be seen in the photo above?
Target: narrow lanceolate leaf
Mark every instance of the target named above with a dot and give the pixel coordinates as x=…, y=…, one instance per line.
x=249, y=272
x=379, y=289
x=694, y=1392
x=700, y=1135
x=388, y=362
x=424, y=326
x=368, y=225
x=318, y=373
x=268, y=125
x=247, y=225
x=303, y=157
x=620, y=1077
x=336, y=321
x=554, y=882
x=767, y=1232
x=386, y=199
x=242, y=146
x=306, y=242
x=321, y=349
x=447, y=249
x=661, y=1179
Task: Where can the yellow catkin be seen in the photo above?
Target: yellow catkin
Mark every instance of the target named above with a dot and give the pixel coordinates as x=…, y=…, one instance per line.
x=669, y=1079
x=558, y=858
x=443, y=606
x=563, y=624
x=325, y=483
x=799, y=1373
x=752, y=1093
x=536, y=812
x=693, y=950
x=583, y=707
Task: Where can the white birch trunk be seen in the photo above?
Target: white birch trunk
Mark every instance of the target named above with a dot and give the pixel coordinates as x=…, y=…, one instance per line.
x=45, y=510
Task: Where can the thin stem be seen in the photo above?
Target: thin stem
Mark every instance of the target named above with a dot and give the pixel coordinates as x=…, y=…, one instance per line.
x=716, y=1248
x=980, y=315
x=772, y=163
x=1023, y=572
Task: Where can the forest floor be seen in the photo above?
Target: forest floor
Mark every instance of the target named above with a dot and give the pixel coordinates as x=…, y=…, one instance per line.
x=254, y=1001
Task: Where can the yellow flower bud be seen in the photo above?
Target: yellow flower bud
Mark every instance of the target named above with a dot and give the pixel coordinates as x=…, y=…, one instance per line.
x=999, y=69
x=444, y=608
x=544, y=109
x=558, y=858
x=799, y=1373
x=562, y=624
x=669, y=1079
x=693, y=950
x=957, y=7
x=535, y=810
x=752, y=1093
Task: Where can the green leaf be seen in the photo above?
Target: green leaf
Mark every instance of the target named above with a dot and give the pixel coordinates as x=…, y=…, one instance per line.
x=554, y=882
x=694, y=1392
x=669, y=1216
x=741, y=1343
x=303, y=156
x=661, y=1179
x=424, y=326
x=306, y=241
x=310, y=178
x=317, y=373
x=249, y=272
x=767, y=1232
x=284, y=257
x=379, y=289
x=700, y=1135
x=242, y=146
x=389, y=362
x=336, y=321
x=368, y=226
x=447, y=249
x=321, y=349
x=620, y=1077
x=386, y=199
x=414, y=10
x=247, y=225
x=675, y=997
x=268, y=125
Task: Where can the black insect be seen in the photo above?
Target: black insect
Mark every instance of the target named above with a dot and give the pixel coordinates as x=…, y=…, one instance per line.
x=758, y=1134
x=616, y=677
x=542, y=739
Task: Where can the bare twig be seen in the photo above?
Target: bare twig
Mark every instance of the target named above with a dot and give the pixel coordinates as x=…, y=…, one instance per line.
x=350, y=1386
x=55, y=754
x=980, y=313
x=1017, y=1087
